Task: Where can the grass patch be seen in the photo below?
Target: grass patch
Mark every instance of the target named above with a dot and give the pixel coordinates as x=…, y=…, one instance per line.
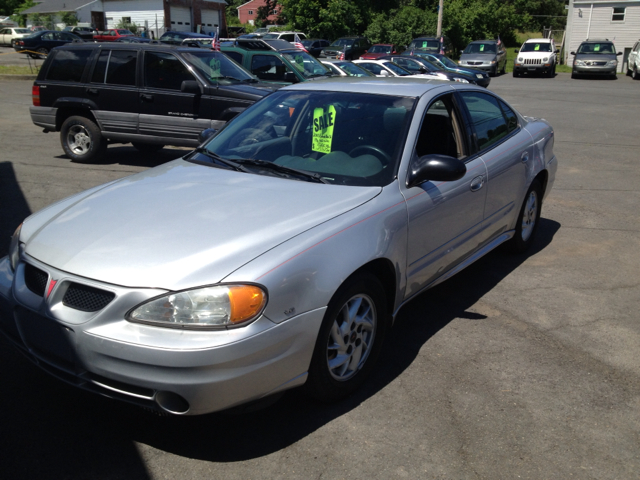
x=18, y=70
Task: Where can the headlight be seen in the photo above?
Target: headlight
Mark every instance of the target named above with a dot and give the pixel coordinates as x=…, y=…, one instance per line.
x=14, y=249
x=462, y=62
x=492, y=62
x=520, y=59
x=221, y=306
x=579, y=63
x=461, y=80
x=545, y=59
x=612, y=63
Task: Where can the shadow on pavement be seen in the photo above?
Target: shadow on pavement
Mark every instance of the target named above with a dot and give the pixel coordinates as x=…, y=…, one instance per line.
x=128, y=155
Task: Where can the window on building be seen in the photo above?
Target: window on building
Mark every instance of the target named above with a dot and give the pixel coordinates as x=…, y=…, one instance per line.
x=126, y=20
x=618, y=14
x=250, y=12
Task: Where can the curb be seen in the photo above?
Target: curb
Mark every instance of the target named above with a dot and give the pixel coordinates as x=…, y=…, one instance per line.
x=8, y=76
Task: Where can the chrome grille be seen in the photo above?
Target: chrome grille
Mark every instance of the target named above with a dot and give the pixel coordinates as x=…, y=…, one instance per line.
x=85, y=298
x=532, y=61
x=35, y=279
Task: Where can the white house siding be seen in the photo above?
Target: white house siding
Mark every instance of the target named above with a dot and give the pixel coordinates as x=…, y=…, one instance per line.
x=142, y=12
x=623, y=34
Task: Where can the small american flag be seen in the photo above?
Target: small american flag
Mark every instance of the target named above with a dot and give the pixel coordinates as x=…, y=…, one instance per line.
x=441, y=45
x=499, y=41
x=343, y=55
x=298, y=44
x=215, y=43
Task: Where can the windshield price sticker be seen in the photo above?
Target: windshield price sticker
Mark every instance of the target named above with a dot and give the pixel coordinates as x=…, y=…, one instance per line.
x=214, y=68
x=537, y=47
x=323, y=122
x=596, y=48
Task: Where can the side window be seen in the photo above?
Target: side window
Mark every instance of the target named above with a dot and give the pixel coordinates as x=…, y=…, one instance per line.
x=288, y=37
x=50, y=36
x=68, y=65
x=116, y=67
x=486, y=118
x=372, y=67
x=512, y=118
x=408, y=64
x=441, y=131
x=163, y=70
x=237, y=56
x=268, y=67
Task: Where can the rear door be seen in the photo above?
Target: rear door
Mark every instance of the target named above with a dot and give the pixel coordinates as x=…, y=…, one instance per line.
x=165, y=111
x=114, y=92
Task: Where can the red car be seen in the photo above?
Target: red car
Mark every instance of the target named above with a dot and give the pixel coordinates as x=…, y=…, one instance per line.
x=112, y=35
x=380, y=50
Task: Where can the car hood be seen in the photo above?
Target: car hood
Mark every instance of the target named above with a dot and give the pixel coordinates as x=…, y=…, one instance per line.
x=596, y=57
x=476, y=57
x=181, y=224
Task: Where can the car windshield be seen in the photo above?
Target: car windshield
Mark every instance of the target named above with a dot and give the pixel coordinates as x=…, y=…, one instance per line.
x=341, y=137
x=342, y=42
x=380, y=49
x=422, y=44
x=448, y=62
x=397, y=69
x=597, y=48
x=217, y=68
x=354, y=70
x=480, y=48
x=427, y=64
x=536, y=47
x=307, y=65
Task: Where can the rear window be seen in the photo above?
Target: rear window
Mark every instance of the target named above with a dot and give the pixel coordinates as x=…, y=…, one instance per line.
x=68, y=65
x=117, y=67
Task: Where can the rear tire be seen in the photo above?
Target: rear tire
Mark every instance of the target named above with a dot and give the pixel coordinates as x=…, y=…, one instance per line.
x=634, y=73
x=528, y=219
x=81, y=140
x=350, y=339
x=43, y=52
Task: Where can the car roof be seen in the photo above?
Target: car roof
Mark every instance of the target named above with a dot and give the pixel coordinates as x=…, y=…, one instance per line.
x=262, y=45
x=539, y=40
x=398, y=86
x=152, y=45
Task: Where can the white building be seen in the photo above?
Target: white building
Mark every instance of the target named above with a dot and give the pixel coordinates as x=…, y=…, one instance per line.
x=617, y=20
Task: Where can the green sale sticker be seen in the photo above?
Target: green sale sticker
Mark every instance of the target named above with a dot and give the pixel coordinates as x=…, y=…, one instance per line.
x=323, y=121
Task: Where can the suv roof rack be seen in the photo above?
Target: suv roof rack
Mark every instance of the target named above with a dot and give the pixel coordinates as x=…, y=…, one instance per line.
x=261, y=44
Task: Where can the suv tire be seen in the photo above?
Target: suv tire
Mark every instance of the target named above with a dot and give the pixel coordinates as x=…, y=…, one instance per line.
x=81, y=140
x=634, y=73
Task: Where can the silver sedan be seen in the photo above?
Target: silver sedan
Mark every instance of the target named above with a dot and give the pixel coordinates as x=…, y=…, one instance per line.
x=277, y=254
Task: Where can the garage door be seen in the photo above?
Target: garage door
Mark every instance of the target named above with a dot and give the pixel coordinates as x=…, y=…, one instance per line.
x=210, y=18
x=181, y=19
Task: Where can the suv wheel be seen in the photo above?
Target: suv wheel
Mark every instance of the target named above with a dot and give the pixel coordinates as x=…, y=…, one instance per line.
x=634, y=73
x=81, y=140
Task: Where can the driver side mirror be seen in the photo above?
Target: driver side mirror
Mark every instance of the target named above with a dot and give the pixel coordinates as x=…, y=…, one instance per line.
x=435, y=167
x=618, y=54
x=517, y=51
x=190, y=86
x=423, y=69
x=384, y=73
x=290, y=77
x=206, y=134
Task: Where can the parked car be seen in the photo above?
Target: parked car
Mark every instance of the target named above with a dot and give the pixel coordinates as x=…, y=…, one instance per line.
x=39, y=44
x=633, y=62
x=595, y=57
x=345, y=68
x=536, y=55
x=426, y=44
x=418, y=65
x=148, y=94
x=385, y=68
x=276, y=61
x=278, y=254
x=9, y=35
x=315, y=45
x=176, y=38
x=133, y=40
x=447, y=65
x=351, y=47
x=85, y=33
x=380, y=50
x=286, y=36
x=487, y=55
x=112, y=35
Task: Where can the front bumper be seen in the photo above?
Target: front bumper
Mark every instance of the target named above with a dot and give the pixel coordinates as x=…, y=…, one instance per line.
x=483, y=67
x=524, y=68
x=594, y=70
x=174, y=370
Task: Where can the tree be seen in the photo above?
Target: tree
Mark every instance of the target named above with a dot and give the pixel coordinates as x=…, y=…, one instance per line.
x=17, y=15
x=266, y=10
x=401, y=26
x=68, y=18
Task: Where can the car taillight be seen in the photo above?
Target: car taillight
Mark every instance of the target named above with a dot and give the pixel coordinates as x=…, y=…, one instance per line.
x=20, y=42
x=35, y=95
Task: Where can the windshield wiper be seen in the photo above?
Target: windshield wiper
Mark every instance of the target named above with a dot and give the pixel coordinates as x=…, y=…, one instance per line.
x=229, y=163
x=316, y=177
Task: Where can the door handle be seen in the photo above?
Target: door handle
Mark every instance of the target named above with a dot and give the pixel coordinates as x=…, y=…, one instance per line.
x=524, y=157
x=477, y=183
x=93, y=91
x=146, y=98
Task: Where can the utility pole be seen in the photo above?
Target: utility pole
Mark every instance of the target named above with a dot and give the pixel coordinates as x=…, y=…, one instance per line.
x=440, y=7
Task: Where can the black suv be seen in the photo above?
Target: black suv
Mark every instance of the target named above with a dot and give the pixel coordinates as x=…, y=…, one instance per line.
x=352, y=47
x=148, y=94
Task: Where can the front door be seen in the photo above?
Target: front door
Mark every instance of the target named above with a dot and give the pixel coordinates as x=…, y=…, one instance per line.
x=445, y=218
x=165, y=111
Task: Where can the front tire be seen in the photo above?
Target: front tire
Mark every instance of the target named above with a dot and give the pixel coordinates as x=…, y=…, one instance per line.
x=528, y=219
x=350, y=339
x=43, y=52
x=634, y=73
x=81, y=140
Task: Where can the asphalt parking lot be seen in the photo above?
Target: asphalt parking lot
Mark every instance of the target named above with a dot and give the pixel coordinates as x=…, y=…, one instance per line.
x=518, y=367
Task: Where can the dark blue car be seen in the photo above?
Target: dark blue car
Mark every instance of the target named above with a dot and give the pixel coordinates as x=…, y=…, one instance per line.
x=39, y=44
x=448, y=65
